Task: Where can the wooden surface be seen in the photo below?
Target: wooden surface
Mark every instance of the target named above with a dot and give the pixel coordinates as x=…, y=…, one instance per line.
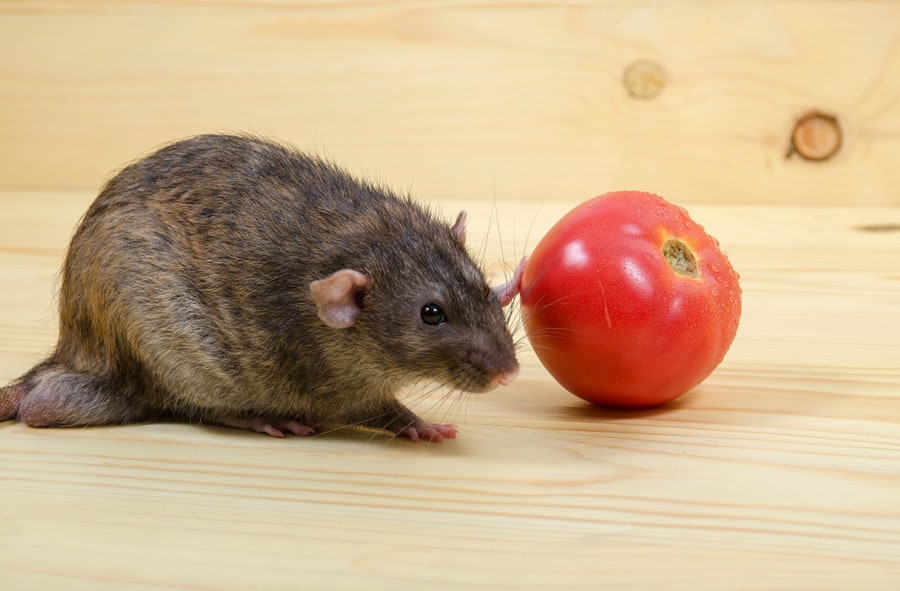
x=782, y=471
x=466, y=98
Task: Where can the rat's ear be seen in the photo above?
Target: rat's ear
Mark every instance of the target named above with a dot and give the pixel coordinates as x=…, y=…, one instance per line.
x=506, y=292
x=339, y=297
x=459, y=228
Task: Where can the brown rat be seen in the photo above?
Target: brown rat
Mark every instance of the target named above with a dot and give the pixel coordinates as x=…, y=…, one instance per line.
x=235, y=281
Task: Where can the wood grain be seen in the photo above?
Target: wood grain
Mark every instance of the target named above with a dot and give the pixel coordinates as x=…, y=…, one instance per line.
x=782, y=471
x=522, y=100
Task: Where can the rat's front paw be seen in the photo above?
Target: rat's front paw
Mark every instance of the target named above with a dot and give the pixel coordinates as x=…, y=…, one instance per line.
x=435, y=432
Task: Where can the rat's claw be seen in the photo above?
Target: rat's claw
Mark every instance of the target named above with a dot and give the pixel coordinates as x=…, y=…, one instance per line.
x=434, y=432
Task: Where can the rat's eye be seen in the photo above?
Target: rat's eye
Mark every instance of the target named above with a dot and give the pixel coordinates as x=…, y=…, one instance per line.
x=432, y=314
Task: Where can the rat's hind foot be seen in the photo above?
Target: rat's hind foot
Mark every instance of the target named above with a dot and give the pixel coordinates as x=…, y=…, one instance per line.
x=435, y=432
x=273, y=428
x=53, y=396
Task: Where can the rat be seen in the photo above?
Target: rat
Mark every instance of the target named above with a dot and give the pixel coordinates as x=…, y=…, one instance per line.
x=237, y=281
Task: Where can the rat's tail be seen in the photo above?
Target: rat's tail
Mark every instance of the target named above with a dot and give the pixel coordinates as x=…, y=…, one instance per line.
x=10, y=396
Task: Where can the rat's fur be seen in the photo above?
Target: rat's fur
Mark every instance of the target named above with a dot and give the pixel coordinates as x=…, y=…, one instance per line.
x=186, y=295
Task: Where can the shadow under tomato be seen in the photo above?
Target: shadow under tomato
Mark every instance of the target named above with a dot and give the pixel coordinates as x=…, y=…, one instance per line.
x=581, y=410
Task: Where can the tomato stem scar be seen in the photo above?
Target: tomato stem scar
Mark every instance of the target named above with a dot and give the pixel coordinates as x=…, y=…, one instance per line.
x=680, y=257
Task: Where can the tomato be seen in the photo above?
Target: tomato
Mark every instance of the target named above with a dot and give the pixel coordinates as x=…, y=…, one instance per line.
x=629, y=303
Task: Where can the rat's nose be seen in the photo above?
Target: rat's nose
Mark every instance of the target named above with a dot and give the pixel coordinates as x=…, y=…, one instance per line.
x=506, y=378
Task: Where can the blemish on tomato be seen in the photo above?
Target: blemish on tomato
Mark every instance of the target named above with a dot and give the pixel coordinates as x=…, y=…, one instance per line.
x=680, y=257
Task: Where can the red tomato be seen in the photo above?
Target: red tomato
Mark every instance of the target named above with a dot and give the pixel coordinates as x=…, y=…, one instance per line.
x=629, y=303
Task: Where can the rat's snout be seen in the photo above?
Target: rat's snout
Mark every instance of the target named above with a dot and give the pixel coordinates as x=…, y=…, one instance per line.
x=506, y=378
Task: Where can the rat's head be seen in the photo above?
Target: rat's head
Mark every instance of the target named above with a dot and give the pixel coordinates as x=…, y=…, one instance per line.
x=423, y=310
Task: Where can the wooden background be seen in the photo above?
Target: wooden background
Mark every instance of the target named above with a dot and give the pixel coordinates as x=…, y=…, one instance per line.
x=522, y=100
x=781, y=471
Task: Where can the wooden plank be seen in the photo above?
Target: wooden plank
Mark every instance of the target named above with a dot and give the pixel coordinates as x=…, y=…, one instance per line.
x=782, y=471
x=466, y=99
